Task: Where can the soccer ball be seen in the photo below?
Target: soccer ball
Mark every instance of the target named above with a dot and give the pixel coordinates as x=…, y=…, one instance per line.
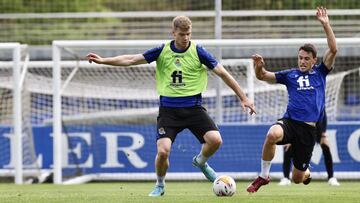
x=224, y=186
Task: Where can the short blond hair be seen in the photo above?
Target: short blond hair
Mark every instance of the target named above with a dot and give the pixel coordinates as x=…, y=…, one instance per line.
x=182, y=22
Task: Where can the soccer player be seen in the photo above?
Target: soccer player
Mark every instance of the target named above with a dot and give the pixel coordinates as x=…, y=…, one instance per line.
x=324, y=143
x=181, y=77
x=306, y=91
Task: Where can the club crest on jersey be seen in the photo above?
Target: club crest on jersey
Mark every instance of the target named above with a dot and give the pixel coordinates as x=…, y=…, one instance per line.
x=177, y=62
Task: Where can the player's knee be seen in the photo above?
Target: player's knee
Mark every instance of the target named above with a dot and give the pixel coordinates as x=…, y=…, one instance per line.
x=273, y=137
x=297, y=181
x=214, y=140
x=218, y=141
x=163, y=153
x=297, y=178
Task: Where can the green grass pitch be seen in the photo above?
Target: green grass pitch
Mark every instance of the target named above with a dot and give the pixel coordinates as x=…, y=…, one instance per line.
x=317, y=191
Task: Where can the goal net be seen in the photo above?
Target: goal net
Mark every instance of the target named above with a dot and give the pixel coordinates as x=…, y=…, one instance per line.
x=104, y=117
x=19, y=160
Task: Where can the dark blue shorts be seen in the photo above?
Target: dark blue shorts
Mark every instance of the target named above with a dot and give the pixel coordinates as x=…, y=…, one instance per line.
x=302, y=137
x=172, y=121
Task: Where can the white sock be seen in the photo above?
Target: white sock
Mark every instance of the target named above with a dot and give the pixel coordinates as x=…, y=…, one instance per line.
x=265, y=169
x=201, y=159
x=160, y=181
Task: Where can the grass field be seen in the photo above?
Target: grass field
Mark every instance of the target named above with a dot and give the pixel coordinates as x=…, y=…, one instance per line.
x=176, y=192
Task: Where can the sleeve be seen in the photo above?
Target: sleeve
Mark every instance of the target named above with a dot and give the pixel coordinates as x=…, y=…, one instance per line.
x=206, y=58
x=281, y=76
x=323, y=69
x=152, y=54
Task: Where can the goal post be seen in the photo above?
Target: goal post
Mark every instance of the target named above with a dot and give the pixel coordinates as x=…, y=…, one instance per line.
x=57, y=132
x=87, y=94
x=17, y=115
x=20, y=110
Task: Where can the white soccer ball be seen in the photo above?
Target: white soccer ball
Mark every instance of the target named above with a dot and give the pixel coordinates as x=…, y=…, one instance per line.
x=224, y=186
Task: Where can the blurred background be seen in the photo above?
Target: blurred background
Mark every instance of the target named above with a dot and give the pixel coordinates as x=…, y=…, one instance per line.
x=97, y=91
x=38, y=22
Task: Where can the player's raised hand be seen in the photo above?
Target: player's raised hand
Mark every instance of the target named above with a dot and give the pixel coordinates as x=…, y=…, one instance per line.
x=248, y=104
x=94, y=58
x=258, y=60
x=322, y=15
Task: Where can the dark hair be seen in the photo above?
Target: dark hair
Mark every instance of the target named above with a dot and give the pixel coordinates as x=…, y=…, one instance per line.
x=309, y=48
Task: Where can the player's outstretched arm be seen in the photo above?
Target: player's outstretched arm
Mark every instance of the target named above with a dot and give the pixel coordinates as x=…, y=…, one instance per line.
x=260, y=71
x=329, y=56
x=231, y=82
x=122, y=60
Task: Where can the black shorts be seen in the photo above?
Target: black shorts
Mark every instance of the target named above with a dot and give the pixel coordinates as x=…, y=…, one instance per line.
x=321, y=127
x=171, y=121
x=301, y=136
